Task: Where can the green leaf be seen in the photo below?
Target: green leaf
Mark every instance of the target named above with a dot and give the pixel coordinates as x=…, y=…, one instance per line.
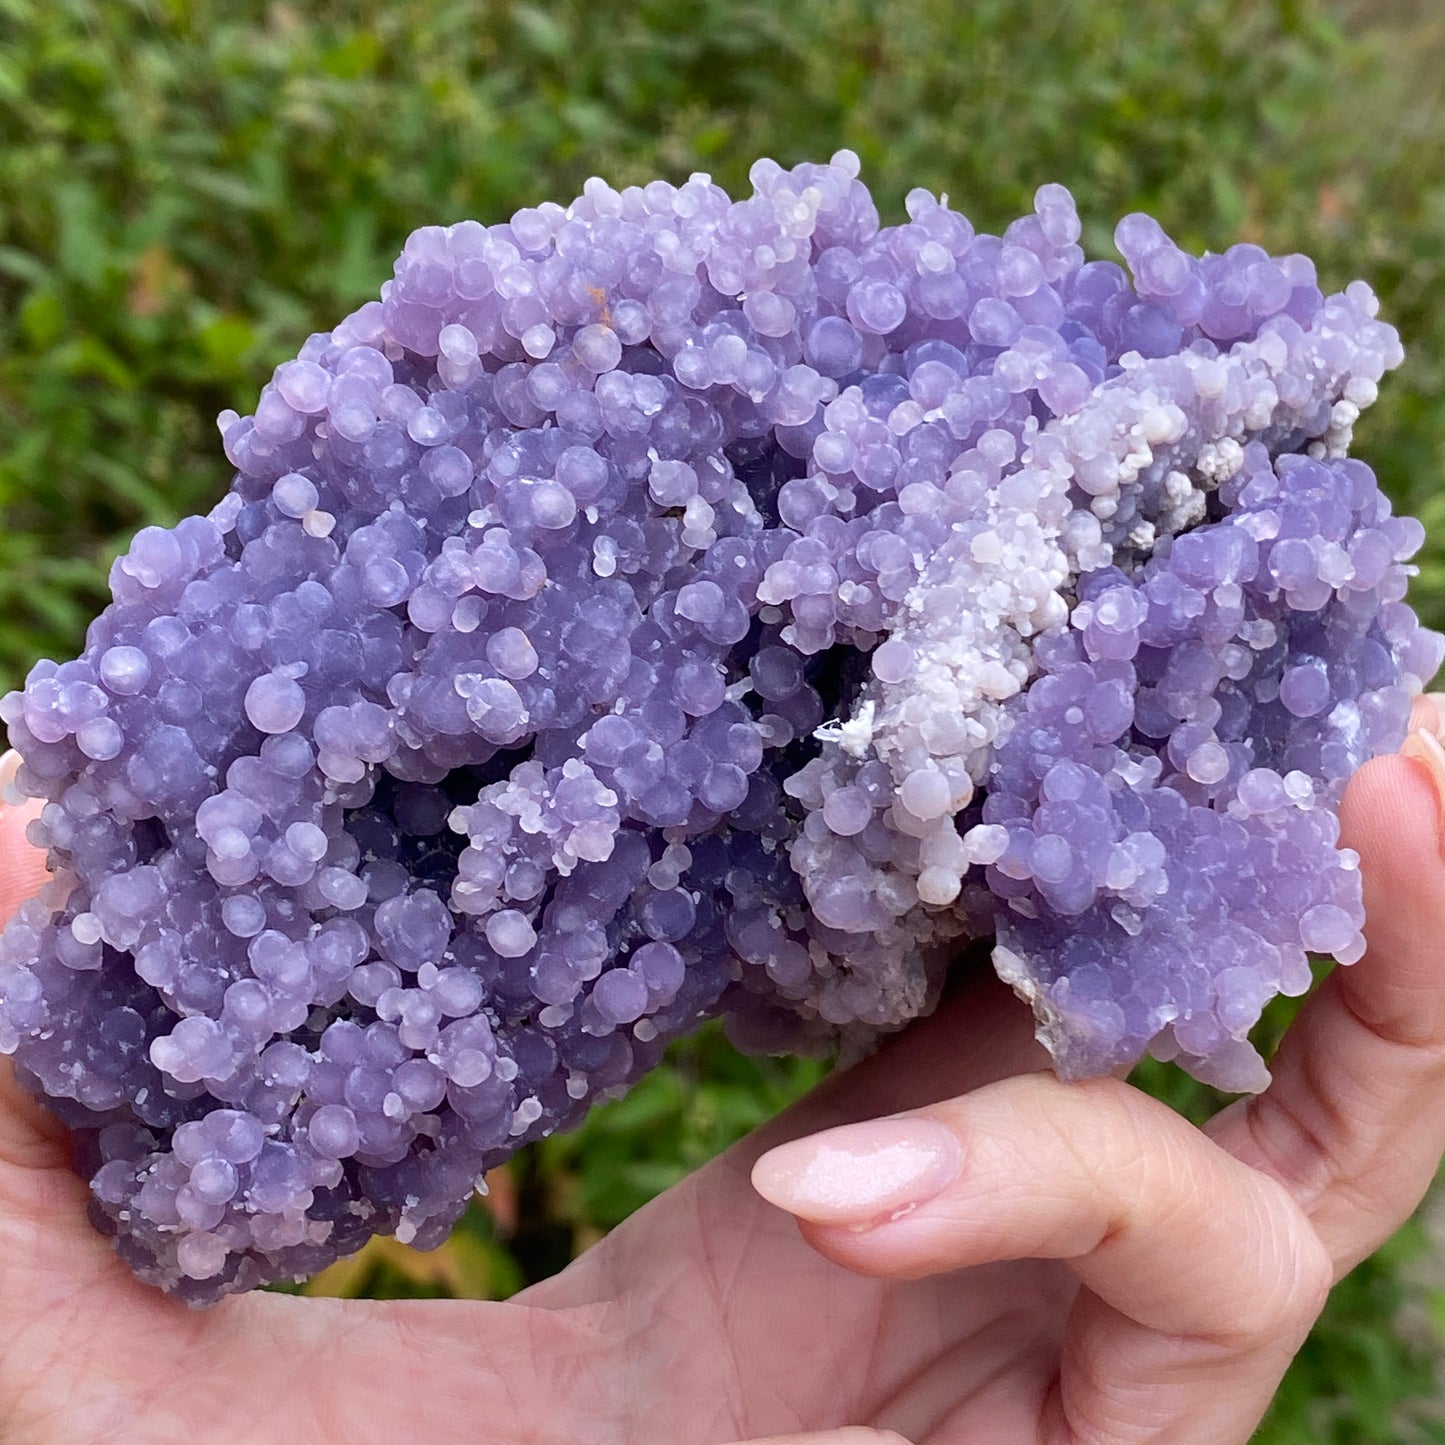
x=42, y=319
x=358, y=56
x=22, y=265
x=81, y=251
x=226, y=342
x=1229, y=200
x=541, y=31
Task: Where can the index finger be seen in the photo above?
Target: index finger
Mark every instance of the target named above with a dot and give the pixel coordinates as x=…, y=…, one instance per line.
x=1353, y=1123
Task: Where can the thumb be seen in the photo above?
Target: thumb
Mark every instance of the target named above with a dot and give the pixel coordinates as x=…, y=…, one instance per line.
x=1201, y=1275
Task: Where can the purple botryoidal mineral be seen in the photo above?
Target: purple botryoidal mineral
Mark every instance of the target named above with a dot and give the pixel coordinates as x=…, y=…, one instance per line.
x=666, y=606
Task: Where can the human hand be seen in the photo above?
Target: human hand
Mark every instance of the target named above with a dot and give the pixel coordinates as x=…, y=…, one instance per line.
x=1097, y=1270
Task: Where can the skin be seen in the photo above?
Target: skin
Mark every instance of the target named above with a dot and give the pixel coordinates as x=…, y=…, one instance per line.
x=1099, y=1271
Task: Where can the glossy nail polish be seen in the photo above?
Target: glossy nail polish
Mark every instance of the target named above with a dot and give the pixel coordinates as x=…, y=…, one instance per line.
x=861, y=1173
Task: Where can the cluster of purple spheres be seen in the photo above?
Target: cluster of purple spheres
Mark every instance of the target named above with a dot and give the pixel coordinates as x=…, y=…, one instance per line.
x=666, y=606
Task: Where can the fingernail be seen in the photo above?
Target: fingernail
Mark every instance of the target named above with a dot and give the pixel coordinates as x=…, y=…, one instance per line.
x=1426, y=747
x=861, y=1173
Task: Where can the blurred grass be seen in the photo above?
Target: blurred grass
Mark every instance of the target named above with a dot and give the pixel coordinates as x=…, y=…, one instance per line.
x=187, y=188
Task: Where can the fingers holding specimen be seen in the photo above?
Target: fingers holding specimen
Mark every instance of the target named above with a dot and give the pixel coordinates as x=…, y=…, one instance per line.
x=1201, y=1276
x=1161, y=1223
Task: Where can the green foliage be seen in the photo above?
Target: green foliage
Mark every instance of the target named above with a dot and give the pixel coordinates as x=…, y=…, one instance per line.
x=187, y=188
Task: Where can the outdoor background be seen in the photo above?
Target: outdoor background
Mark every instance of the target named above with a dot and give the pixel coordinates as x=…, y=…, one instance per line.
x=188, y=188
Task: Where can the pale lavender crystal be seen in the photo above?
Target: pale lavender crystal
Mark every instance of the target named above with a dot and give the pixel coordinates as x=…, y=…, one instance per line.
x=666, y=606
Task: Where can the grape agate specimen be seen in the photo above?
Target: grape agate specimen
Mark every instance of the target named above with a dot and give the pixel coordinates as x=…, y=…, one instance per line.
x=666, y=606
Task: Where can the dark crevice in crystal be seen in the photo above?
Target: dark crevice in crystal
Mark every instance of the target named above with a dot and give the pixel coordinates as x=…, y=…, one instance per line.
x=151, y=837
x=762, y=466
x=429, y=856
x=839, y=675
x=462, y=785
